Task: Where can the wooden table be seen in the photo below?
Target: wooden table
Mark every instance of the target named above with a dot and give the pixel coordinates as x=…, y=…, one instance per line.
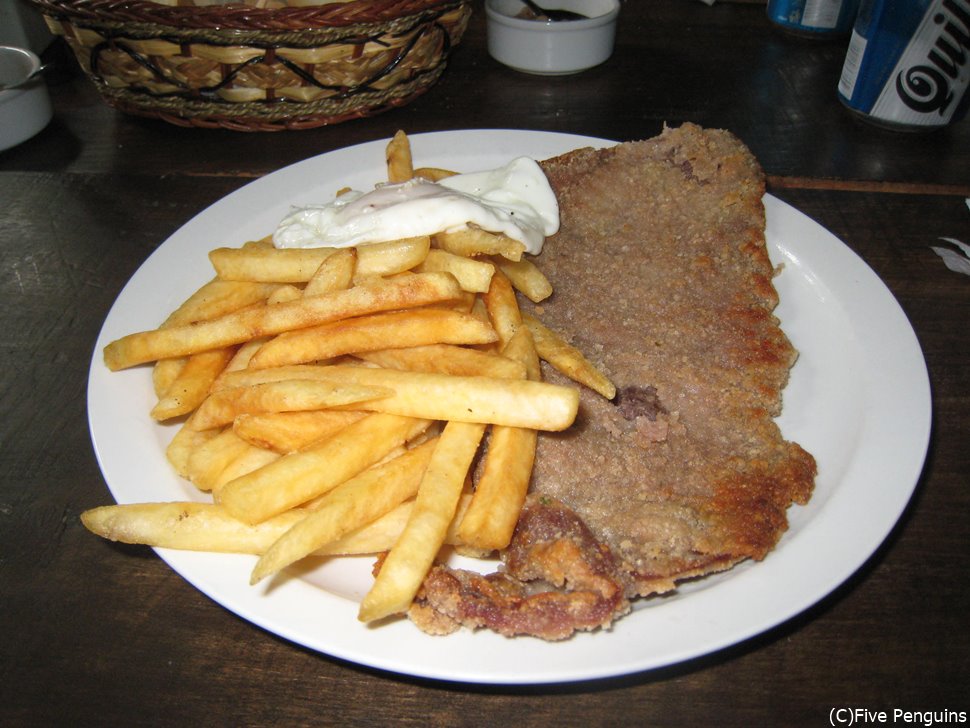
x=97, y=634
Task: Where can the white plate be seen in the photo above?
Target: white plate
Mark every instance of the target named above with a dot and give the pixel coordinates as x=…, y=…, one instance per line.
x=858, y=399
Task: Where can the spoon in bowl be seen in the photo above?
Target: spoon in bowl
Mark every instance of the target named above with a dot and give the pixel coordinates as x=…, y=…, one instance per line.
x=17, y=83
x=552, y=14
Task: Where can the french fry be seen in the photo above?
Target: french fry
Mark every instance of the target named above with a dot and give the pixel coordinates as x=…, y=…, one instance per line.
x=408, y=291
x=186, y=525
x=192, y=526
x=372, y=538
x=398, y=329
x=473, y=275
x=446, y=359
x=474, y=241
x=249, y=459
x=164, y=373
x=286, y=292
x=298, y=477
x=285, y=432
x=479, y=309
x=264, y=242
x=398, y=157
x=525, y=277
x=191, y=386
x=539, y=405
x=522, y=350
x=334, y=274
x=244, y=353
x=503, y=307
x=567, y=359
x=411, y=557
x=494, y=510
x=357, y=502
x=465, y=303
x=217, y=298
x=208, y=461
x=391, y=257
x=433, y=174
x=501, y=489
x=293, y=395
x=267, y=264
x=183, y=444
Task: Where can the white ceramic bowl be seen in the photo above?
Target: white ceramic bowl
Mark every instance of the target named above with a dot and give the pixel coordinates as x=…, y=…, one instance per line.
x=24, y=110
x=551, y=48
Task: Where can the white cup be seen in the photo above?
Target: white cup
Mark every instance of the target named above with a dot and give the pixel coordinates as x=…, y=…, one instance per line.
x=25, y=109
x=551, y=48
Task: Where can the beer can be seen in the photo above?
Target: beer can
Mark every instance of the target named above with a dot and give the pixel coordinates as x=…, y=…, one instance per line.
x=908, y=63
x=814, y=18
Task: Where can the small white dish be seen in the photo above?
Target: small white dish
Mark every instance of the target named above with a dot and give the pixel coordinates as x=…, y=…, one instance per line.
x=551, y=48
x=25, y=109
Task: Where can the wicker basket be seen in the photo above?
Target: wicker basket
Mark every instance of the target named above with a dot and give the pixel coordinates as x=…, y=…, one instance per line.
x=259, y=68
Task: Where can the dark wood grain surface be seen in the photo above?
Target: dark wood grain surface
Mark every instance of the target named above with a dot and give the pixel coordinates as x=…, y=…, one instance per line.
x=95, y=633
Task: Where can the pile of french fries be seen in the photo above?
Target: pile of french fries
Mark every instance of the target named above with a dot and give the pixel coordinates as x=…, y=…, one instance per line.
x=384, y=399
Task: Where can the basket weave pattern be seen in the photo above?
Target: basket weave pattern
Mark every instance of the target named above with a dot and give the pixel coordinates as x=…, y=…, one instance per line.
x=246, y=68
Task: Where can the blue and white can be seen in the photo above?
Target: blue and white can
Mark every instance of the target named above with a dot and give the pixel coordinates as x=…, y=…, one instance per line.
x=814, y=18
x=908, y=63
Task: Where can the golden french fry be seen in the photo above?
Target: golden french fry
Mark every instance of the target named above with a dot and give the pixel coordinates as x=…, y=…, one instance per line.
x=380, y=535
x=479, y=309
x=334, y=274
x=474, y=241
x=494, y=510
x=526, y=277
x=372, y=538
x=195, y=526
x=501, y=489
x=164, y=373
x=217, y=298
x=244, y=353
x=447, y=359
x=411, y=557
x=539, y=405
x=286, y=432
x=391, y=257
x=568, y=359
x=503, y=307
x=433, y=174
x=409, y=291
x=189, y=526
x=359, y=501
x=264, y=242
x=397, y=329
x=300, y=476
x=522, y=350
x=267, y=264
x=209, y=460
x=285, y=292
x=465, y=303
x=398, y=154
x=191, y=386
x=183, y=444
x=249, y=459
x=293, y=395
x=473, y=275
